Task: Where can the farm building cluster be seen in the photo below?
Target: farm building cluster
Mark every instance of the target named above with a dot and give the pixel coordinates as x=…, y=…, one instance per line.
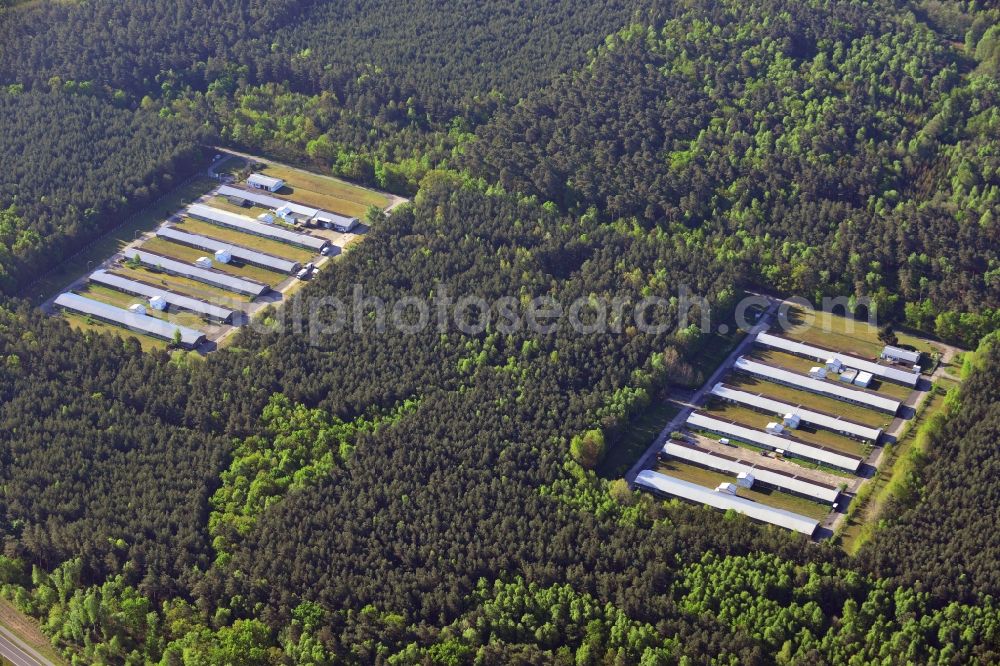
x=203, y=271
x=788, y=430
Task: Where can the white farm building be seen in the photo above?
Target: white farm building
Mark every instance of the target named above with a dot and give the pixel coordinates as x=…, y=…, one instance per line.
x=259, y=181
x=724, y=500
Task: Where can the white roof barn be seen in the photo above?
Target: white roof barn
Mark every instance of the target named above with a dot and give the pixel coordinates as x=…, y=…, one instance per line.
x=904, y=377
x=213, y=277
x=249, y=225
x=131, y=320
x=267, y=201
x=259, y=181
x=769, y=405
x=827, y=456
x=291, y=211
x=748, y=473
x=900, y=355
x=156, y=294
x=234, y=251
x=829, y=389
x=668, y=485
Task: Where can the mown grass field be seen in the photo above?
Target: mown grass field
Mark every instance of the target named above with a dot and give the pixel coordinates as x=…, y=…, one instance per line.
x=249, y=211
x=249, y=241
x=120, y=299
x=190, y=255
x=184, y=286
x=809, y=400
x=803, y=365
x=848, y=335
x=711, y=479
x=325, y=192
x=759, y=420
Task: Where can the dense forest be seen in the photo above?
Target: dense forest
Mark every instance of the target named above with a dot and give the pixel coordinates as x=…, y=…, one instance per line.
x=432, y=491
x=63, y=188
x=316, y=494
x=937, y=531
x=834, y=149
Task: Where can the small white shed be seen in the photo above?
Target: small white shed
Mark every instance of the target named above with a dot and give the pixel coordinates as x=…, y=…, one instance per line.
x=137, y=308
x=223, y=256
x=834, y=365
x=863, y=379
x=728, y=488
x=791, y=420
x=266, y=218
x=158, y=302
x=744, y=480
x=203, y=262
x=775, y=428
x=817, y=372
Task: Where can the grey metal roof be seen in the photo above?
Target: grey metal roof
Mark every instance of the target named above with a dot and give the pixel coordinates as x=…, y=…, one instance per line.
x=832, y=389
x=274, y=203
x=209, y=276
x=176, y=300
x=772, y=477
x=767, y=440
x=138, y=322
x=905, y=377
x=244, y=223
x=901, y=354
x=266, y=181
x=338, y=221
x=777, y=407
x=267, y=201
x=236, y=251
x=702, y=495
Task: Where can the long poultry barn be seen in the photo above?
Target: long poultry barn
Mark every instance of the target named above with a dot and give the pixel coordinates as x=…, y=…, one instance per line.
x=291, y=209
x=773, y=442
x=888, y=372
x=692, y=492
x=780, y=480
x=248, y=225
x=141, y=323
x=241, y=254
x=178, y=301
x=776, y=407
x=206, y=275
x=826, y=388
